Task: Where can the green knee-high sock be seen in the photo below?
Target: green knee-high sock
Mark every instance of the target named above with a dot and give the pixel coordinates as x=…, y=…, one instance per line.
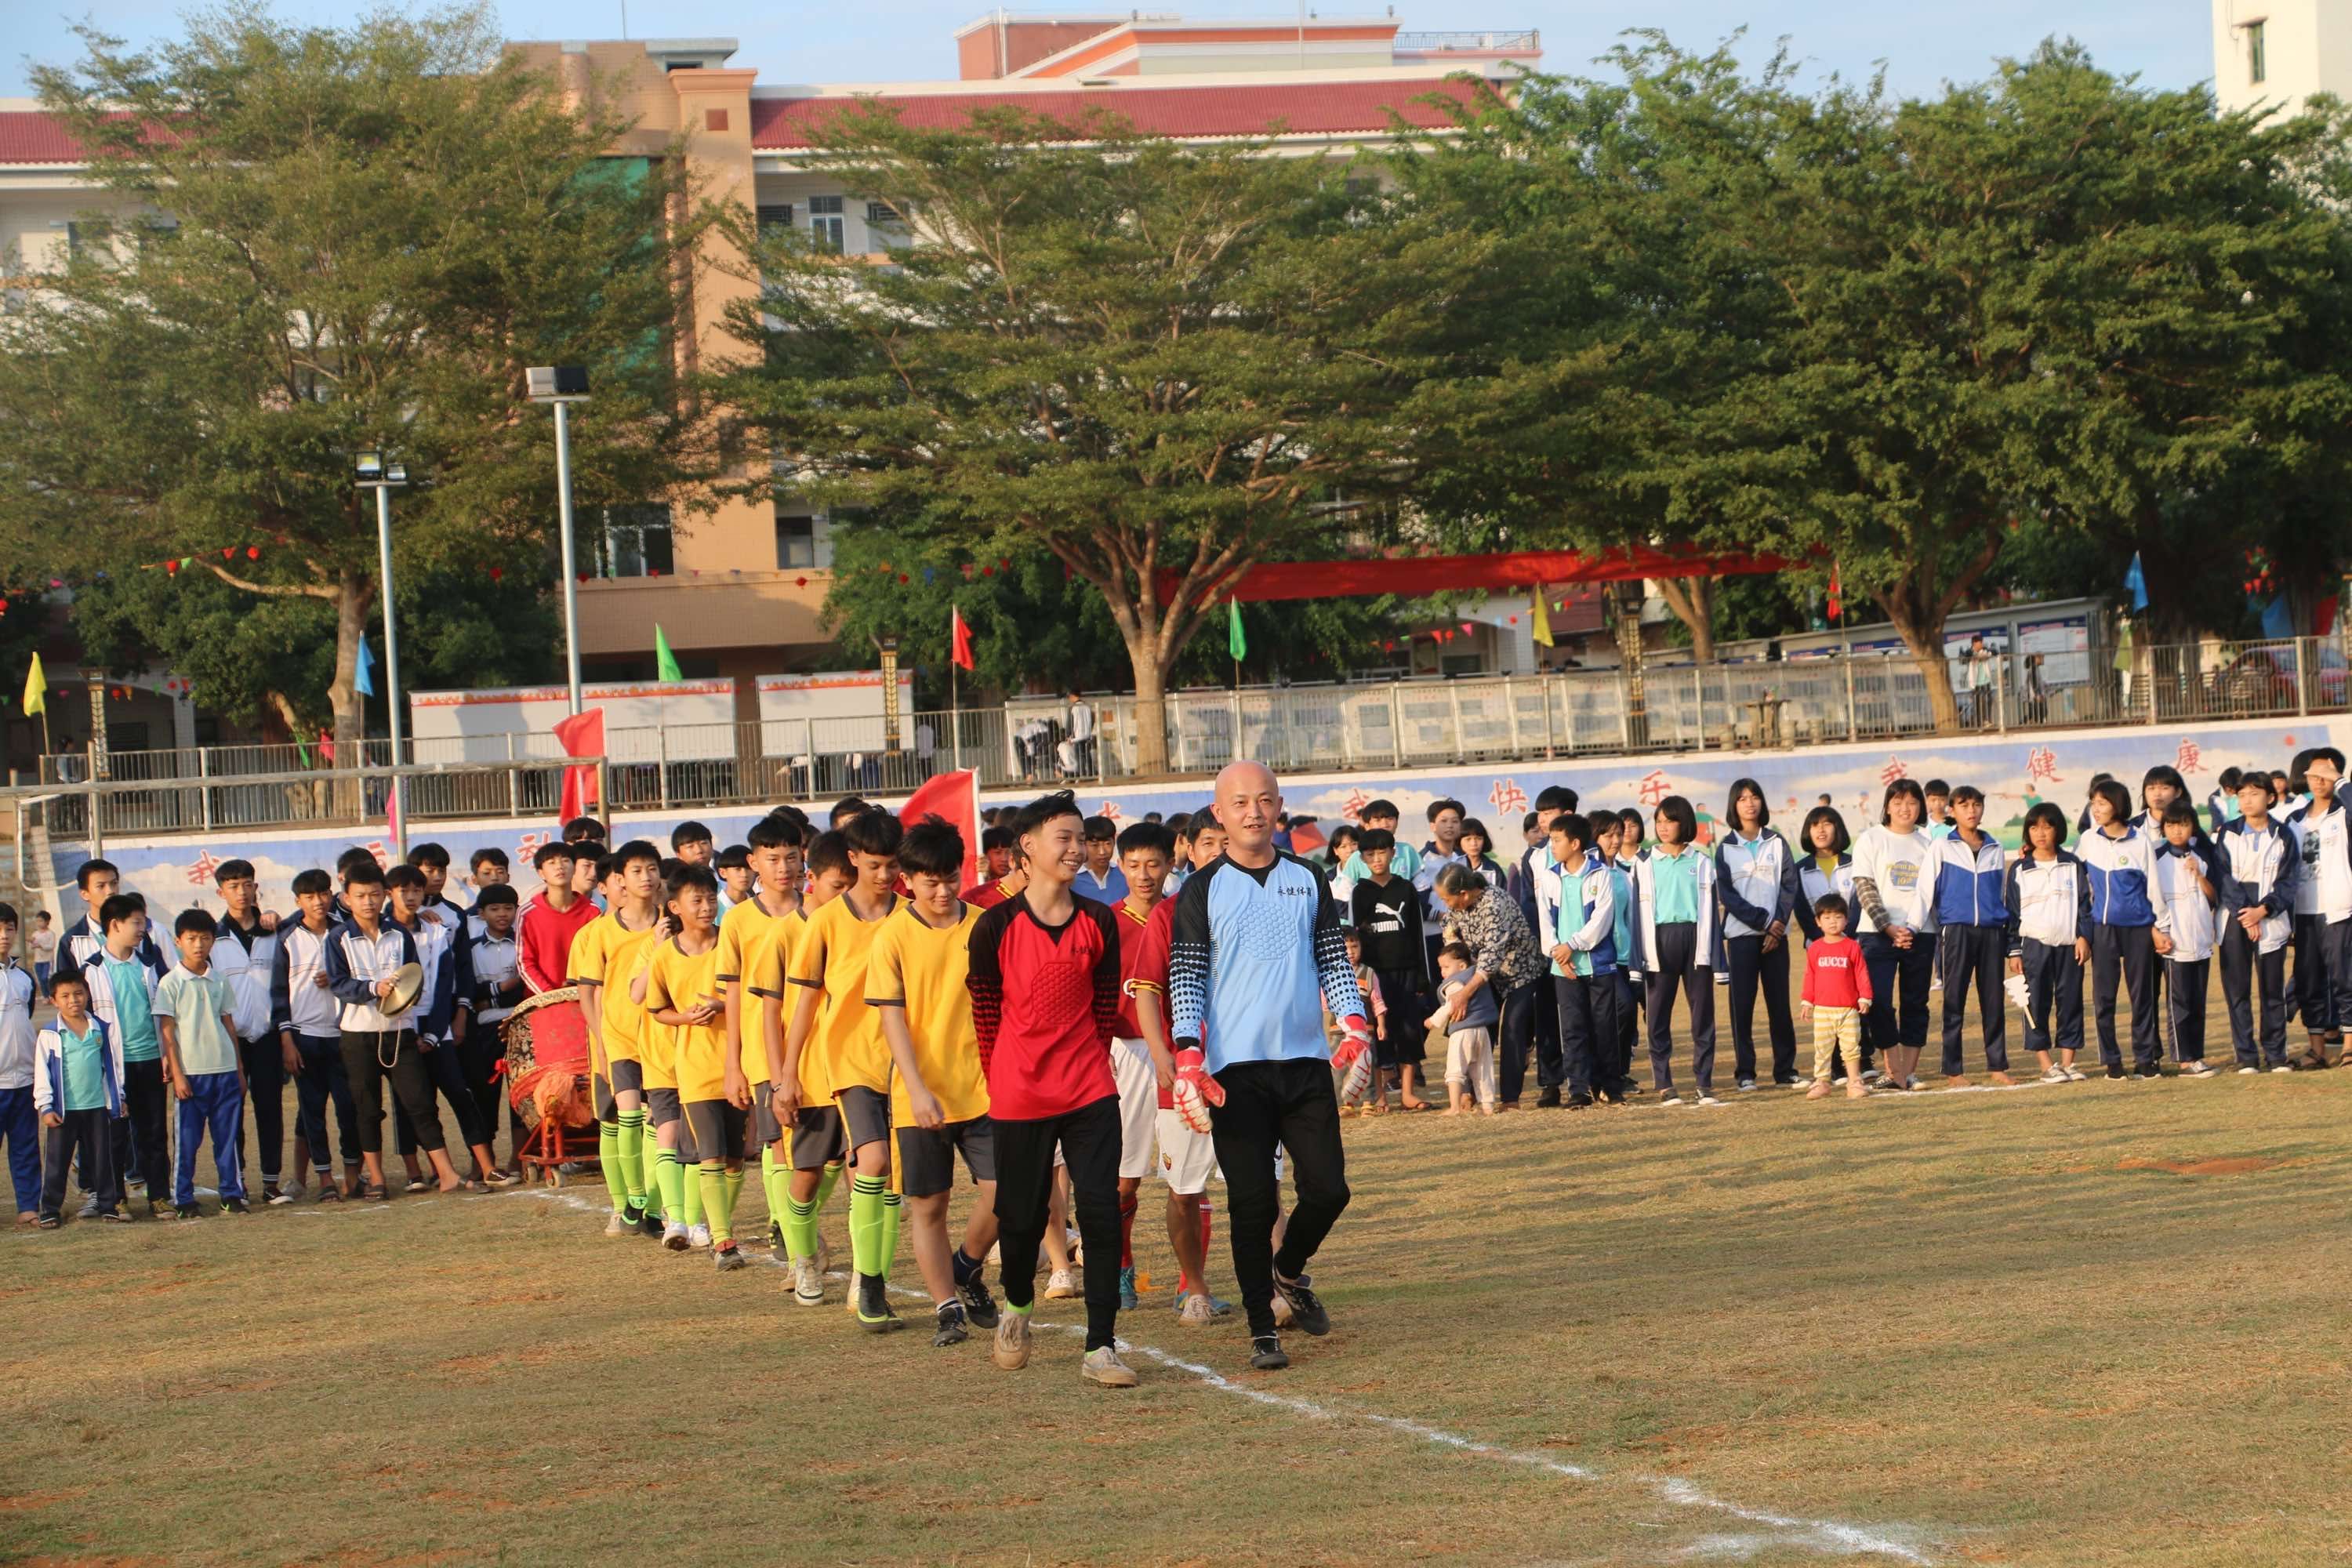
x=825, y=1183
x=800, y=1228
x=771, y=1187
x=891, y=1213
x=670, y=1177
x=632, y=1155
x=608, y=1155
x=693, y=1192
x=866, y=1195
x=718, y=1200
x=734, y=1192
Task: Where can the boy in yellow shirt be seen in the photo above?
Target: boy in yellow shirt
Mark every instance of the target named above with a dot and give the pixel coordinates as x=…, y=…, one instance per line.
x=604, y=958
x=916, y=982
x=774, y=854
x=813, y=1156
x=682, y=991
x=842, y=1055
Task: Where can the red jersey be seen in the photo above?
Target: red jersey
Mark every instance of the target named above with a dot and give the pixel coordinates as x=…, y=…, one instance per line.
x=1150, y=968
x=987, y=896
x=1836, y=975
x=1044, y=1001
x=542, y=938
x=1134, y=972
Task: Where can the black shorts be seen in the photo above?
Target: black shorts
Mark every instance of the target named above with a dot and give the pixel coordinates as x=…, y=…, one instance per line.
x=663, y=1107
x=718, y=1127
x=866, y=1113
x=606, y=1111
x=628, y=1076
x=764, y=1125
x=927, y=1155
x=817, y=1138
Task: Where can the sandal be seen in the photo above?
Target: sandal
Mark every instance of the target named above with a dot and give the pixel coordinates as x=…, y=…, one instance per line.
x=375, y=1194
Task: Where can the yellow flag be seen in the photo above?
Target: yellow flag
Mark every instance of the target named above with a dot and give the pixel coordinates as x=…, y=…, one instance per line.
x=37, y=688
x=1542, y=619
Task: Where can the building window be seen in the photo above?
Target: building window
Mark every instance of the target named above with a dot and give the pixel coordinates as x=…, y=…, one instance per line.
x=775, y=220
x=2258, y=63
x=884, y=226
x=636, y=542
x=825, y=223
x=795, y=543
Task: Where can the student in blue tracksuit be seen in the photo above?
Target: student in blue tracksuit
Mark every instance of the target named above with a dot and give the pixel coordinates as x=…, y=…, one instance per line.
x=2323, y=903
x=2187, y=883
x=1583, y=943
x=1825, y=865
x=1675, y=885
x=2048, y=897
x=1537, y=886
x=1755, y=879
x=2128, y=931
x=2259, y=867
x=1970, y=868
x=1610, y=832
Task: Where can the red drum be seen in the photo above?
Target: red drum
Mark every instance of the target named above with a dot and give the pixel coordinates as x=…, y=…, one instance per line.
x=547, y=1059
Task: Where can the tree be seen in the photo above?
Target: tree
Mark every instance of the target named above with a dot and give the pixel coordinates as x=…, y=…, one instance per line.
x=1160, y=365
x=325, y=240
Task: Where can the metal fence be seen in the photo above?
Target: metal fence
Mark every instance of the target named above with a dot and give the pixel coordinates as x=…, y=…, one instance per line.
x=1389, y=725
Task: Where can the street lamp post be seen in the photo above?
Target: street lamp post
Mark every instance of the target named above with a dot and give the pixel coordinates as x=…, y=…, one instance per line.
x=371, y=472
x=564, y=386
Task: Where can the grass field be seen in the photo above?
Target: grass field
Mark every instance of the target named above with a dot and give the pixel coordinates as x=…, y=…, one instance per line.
x=2100, y=1324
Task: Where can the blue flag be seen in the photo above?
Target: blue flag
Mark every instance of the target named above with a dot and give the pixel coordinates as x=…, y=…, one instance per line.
x=366, y=678
x=2136, y=583
x=2277, y=620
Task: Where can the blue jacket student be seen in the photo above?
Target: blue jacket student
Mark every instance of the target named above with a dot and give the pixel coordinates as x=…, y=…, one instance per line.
x=2258, y=871
x=2121, y=872
x=48, y=1049
x=1589, y=924
x=1757, y=881
x=1969, y=884
x=1813, y=883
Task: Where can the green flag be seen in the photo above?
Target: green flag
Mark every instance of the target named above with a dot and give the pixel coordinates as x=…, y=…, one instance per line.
x=664, y=661
x=1236, y=641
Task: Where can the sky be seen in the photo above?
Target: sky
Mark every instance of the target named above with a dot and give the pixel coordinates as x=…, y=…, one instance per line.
x=2167, y=42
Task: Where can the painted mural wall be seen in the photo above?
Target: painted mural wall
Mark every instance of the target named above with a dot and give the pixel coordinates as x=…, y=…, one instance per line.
x=2013, y=770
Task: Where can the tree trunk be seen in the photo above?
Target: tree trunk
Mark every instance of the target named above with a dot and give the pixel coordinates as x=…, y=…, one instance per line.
x=1924, y=636
x=1150, y=722
x=351, y=710
x=1691, y=599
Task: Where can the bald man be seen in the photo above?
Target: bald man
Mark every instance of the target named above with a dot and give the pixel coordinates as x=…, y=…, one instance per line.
x=1257, y=952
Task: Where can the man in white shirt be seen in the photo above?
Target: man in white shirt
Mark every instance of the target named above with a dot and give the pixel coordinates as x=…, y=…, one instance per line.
x=1082, y=736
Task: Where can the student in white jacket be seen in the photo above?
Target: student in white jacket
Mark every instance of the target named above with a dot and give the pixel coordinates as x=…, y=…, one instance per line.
x=1896, y=931
x=2186, y=869
x=2258, y=868
x=1755, y=883
x=2323, y=903
x=1675, y=891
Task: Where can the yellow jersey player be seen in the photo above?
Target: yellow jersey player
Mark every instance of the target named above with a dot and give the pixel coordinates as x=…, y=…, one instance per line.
x=772, y=854
x=815, y=1154
x=604, y=956
x=682, y=991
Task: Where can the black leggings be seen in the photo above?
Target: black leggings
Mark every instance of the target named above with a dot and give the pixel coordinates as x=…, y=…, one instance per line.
x=1284, y=1105
x=364, y=1064
x=1089, y=1140
x=1753, y=969
x=265, y=1080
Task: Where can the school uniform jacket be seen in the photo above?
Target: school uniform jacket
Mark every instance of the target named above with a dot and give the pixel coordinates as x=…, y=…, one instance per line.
x=245, y=959
x=2324, y=844
x=2048, y=902
x=1756, y=878
x=1969, y=884
x=49, y=1079
x=2196, y=927
x=436, y=1005
x=2259, y=870
x=498, y=983
x=16, y=1002
x=1591, y=925
x=296, y=1001
x=1813, y=883
x=77, y=941
x=2122, y=873
x=1629, y=915
x=1645, y=895
x=354, y=964
x=100, y=981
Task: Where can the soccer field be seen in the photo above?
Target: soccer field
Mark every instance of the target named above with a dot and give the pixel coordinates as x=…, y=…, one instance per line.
x=2092, y=1324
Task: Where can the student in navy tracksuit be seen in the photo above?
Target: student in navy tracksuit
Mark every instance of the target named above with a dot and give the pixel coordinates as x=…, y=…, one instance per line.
x=1970, y=872
x=2188, y=874
x=1536, y=885
x=307, y=1021
x=1755, y=879
x=1583, y=943
x=2323, y=903
x=2048, y=897
x=2259, y=867
x=2126, y=924
x=1674, y=883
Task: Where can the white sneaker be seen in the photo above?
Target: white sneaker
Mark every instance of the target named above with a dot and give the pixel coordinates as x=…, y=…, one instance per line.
x=615, y=1226
x=1708, y=1100
x=2074, y=1075
x=674, y=1238
x=1196, y=1312
x=2248, y=1072
x=2197, y=1070
x=2282, y=1068
x=2056, y=1075
x=1103, y=1368
x=700, y=1236
x=1059, y=1287
x=808, y=1284
x=287, y=1195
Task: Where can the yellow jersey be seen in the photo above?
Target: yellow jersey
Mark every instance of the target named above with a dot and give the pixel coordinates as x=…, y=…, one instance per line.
x=743, y=936
x=845, y=1048
x=605, y=954
x=680, y=981
x=923, y=969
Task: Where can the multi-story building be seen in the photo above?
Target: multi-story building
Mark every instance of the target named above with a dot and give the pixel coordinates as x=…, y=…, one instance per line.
x=739, y=592
x=2280, y=52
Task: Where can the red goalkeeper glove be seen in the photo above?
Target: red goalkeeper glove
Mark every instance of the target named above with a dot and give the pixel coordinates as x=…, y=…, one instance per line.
x=1354, y=1056
x=1195, y=1091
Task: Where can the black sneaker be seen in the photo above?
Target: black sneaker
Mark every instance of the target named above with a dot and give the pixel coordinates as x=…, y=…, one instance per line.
x=1610, y=1095
x=1580, y=1101
x=1550, y=1099
x=979, y=1306
x=951, y=1330
x=1307, y=1313
x=650, y=1225
x=2147, y=1069
x=235, y=1205
x=874, y=1313
x=270, y=1191
x=2115, y=1072
x=731, y=1258
x=1267, y=1353
x=48, y=1222
x=179, y=1211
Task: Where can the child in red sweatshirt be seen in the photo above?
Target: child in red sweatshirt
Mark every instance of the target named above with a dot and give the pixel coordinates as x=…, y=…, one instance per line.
x=1836, y=995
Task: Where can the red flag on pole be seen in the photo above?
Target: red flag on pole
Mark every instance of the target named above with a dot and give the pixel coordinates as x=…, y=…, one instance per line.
x=961, y=653
x=1834, y=608
x=954, y=798
x=581, y=735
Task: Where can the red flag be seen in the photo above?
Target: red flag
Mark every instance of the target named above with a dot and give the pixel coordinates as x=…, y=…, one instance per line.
x=581, y=735
x=961, y=653
x=954, y=798
x=1834, y=609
